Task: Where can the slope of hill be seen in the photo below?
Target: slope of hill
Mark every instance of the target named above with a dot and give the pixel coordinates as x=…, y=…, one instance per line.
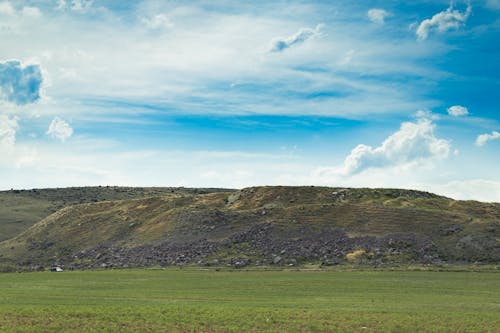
x=264, y=225
x=20, y=209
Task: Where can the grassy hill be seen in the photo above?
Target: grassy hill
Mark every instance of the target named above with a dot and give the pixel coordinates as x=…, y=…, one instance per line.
x=20, y=209
x=264, y=226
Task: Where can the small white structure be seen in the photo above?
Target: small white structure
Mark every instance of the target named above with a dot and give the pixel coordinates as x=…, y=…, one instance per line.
x=56, y=269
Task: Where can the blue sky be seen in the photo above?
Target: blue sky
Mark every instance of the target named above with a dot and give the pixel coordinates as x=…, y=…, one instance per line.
x=235, y=94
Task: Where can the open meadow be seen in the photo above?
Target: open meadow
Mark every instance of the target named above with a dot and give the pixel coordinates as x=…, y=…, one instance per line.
x=190, y=300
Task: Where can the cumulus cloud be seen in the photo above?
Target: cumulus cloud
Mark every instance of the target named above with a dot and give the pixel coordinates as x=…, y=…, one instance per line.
x=413, y=142
x=158, y=22
x=20, y=83
x=377, y=15
x=457, y=111
x=8, y=128
x=304, y=34
x=59, y=129
x=483, y=138
x=443, y=21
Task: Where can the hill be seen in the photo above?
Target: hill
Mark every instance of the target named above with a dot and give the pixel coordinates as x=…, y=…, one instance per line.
x=20, y=209
x=264, y=226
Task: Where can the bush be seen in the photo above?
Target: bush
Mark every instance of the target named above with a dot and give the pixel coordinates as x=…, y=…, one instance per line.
x=8, y=268
x=358, y=256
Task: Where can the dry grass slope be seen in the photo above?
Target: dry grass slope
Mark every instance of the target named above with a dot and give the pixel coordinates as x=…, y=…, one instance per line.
x=20, y=209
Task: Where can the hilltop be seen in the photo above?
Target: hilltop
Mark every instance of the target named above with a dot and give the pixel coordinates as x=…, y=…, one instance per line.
x=263, y=226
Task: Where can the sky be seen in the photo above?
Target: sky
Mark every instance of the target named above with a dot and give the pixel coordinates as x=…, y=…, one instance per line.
x=235, y=94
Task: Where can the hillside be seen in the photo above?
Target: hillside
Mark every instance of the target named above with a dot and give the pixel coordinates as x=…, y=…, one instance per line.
x=264, y=225
x=20, y=209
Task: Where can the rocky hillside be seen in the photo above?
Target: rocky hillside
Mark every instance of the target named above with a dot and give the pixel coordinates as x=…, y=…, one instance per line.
x=264, y=226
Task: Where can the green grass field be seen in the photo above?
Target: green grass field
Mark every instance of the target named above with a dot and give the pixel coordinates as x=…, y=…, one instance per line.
x=176, y=300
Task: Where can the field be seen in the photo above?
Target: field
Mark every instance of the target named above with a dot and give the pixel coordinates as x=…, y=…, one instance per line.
x=177, y=300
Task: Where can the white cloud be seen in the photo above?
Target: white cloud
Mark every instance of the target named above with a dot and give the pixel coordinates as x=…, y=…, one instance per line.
x=234, y=47
x=32, y=12
x=415, y=179
x=59, y=129
x=280, y=44
x=61, y=4
x=349, y=55
x=8, y=128
x=426, y=114
x=472, y=189
x=443, y=21
x=412, y=143
x=81, y=5
x=184, y=71
x=377, y=15
x=7, y=9
x=457, y=111
x=483, y=138
x=74, y=5
x=20, y=83
x=84, y=165
x=158, y=22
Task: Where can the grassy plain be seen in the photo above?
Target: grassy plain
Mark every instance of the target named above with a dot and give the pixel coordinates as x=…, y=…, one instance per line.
x=189, y=300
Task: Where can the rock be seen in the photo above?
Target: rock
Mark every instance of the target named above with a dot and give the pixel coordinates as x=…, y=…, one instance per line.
x=331, y=262
x=451, y=229
x=240, y=263
x=491, y=228
x=277, y=260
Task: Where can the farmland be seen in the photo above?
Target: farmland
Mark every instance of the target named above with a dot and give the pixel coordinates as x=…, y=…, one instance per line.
x=190, y=300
